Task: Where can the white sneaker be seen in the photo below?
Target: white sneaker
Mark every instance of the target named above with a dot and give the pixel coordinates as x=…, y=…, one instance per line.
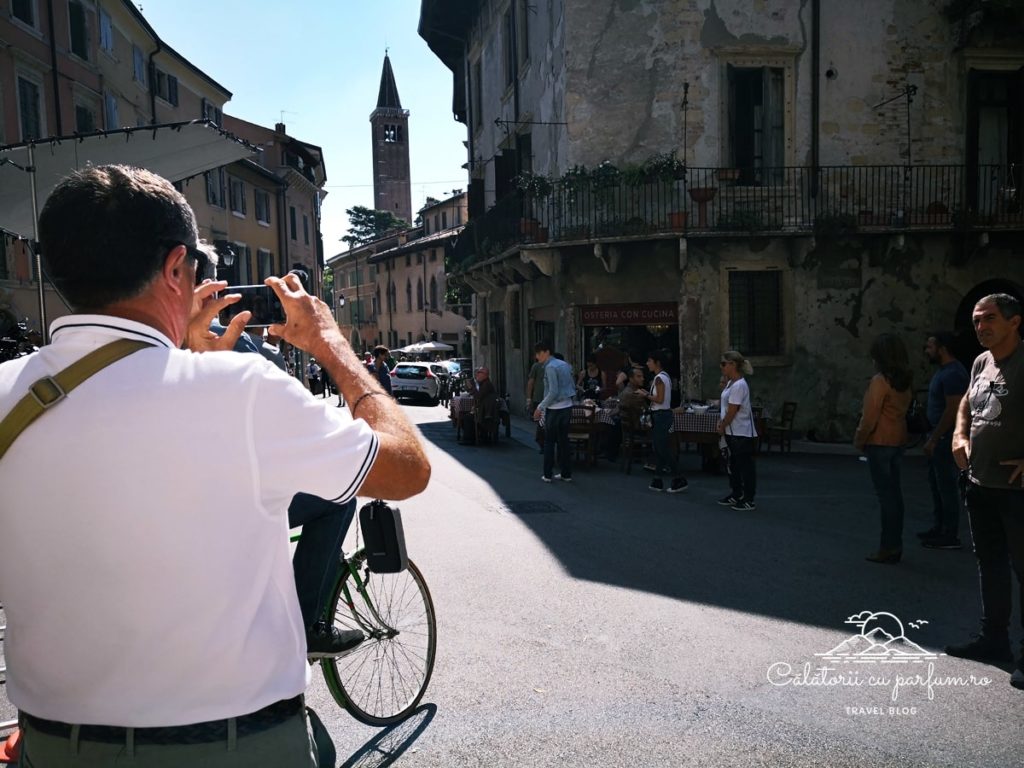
x=557, y=477
x=546, y=479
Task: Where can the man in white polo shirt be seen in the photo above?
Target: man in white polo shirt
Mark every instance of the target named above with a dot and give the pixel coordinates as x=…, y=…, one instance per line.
x=144, y=561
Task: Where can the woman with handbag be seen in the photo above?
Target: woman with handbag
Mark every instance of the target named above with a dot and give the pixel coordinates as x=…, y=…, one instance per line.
x=736, y=425
x=881, y=435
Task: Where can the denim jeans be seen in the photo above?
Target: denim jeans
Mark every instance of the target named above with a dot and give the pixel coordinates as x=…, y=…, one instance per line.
x=942, y=477
x=884, y=463
x=664, y=461
x=556, y=435
x=316, y=560
x=997, y=526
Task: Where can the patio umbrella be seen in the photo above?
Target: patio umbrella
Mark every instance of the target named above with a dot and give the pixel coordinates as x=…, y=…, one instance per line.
x=30, y=170
x=424, y=347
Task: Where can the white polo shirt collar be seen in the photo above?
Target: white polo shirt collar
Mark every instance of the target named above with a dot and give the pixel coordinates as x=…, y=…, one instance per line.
x=100, y=329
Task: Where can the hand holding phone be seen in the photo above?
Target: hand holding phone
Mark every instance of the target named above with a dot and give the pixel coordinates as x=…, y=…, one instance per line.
x=260, y=300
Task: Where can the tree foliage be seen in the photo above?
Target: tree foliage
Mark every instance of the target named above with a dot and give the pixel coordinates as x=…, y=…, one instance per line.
x=366, y=225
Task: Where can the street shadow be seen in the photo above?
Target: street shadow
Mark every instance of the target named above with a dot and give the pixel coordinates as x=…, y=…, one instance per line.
x=391, y=743
x=799, y=557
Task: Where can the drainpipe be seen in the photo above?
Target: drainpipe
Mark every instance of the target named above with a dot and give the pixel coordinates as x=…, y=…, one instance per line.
x=282, y=230
x=59, y=131
x=152, y=78
x=815, y=91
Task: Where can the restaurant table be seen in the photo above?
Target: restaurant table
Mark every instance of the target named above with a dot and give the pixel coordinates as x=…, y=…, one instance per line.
x=463, y=404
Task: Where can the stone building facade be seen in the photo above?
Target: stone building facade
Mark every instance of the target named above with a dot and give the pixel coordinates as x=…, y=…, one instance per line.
x=787, y=179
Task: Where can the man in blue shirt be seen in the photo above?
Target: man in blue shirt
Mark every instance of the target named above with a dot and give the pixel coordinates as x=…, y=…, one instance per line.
x=945, y=391
x=380, y=367
x=555, y=409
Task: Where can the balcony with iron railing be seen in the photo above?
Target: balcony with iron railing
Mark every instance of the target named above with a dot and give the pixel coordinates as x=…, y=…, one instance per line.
x=708, y=202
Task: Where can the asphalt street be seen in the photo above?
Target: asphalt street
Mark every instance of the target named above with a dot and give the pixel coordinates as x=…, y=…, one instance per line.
x=599, y=624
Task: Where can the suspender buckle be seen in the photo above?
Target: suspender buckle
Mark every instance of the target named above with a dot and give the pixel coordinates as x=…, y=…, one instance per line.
x=47, y=392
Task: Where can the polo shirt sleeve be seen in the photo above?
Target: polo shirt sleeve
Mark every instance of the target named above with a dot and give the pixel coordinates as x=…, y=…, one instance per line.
x=298, y=443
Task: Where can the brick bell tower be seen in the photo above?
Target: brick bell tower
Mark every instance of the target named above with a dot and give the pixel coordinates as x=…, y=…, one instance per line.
x=392, y=188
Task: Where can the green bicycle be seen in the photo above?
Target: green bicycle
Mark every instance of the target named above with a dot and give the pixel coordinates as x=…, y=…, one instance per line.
x=381, y=681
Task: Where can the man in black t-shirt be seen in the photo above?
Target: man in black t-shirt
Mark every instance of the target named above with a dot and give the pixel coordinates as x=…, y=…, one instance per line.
x=989, y=445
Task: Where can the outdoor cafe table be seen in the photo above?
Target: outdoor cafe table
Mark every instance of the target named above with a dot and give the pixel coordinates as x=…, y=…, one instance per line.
x=463, y=404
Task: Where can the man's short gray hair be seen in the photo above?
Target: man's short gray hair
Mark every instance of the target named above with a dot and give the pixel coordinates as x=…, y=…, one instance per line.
x=1007, y=304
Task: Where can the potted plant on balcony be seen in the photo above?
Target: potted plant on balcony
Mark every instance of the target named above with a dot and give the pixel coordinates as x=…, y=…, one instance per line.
x=536, y=188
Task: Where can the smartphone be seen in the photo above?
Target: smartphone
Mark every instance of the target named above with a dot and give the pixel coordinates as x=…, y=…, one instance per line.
x=259, y=299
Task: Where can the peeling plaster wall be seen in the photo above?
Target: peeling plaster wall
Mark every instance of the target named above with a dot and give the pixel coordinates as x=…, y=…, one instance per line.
x=626, y=61
x=911, y=291
x=876, y=48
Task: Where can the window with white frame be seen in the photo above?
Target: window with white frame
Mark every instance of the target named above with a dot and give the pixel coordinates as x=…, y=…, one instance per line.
x=166, y=86
x=756, y=324
x=138, y=65
x=106, y=32
x=215, y=187
x=78, y=29
x=236, y=195
x=262, y=198
x=25, y=12
x=30, y=107
x=110, y=111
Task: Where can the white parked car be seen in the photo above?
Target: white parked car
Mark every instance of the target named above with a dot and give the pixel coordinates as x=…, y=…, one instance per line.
x=415, y=380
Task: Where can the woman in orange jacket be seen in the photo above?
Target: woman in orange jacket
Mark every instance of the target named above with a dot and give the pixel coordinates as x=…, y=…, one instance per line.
x=881, y=434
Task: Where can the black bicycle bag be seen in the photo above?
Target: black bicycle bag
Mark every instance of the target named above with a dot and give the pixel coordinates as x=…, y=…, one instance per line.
x=384, y=537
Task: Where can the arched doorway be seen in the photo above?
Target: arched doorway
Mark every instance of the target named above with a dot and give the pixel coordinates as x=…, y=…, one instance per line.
x=967, y=346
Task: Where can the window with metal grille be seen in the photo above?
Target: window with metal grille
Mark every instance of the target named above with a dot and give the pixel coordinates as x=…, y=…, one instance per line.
x=755, y=312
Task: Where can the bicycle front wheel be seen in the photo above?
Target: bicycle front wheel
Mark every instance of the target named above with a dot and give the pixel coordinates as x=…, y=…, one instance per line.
x=381, y=681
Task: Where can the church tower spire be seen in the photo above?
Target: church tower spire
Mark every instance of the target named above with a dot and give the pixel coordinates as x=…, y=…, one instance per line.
x=392, y=187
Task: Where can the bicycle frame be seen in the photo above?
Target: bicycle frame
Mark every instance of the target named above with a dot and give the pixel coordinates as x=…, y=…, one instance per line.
x=382, y=630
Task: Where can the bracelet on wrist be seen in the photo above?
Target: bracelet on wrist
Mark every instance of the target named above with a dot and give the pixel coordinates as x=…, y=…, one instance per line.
x=360, y=399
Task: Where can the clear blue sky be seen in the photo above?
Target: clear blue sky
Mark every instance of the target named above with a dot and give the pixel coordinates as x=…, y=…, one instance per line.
x=320, y=61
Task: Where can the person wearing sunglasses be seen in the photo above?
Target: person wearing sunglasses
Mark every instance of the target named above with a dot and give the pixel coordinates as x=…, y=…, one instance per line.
x=736, y=425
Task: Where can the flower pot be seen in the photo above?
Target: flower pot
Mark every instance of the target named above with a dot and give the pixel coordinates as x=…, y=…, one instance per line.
x=677, y=220
x=529, y=227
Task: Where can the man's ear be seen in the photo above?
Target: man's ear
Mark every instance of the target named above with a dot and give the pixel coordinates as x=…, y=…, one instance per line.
x=175, y=263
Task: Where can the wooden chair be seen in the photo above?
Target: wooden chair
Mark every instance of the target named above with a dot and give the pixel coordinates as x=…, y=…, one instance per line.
x=781, y=432
x=583, y=433
x=636, y=440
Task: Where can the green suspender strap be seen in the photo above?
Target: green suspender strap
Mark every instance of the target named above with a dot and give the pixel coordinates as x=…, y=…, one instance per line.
x=50, y=390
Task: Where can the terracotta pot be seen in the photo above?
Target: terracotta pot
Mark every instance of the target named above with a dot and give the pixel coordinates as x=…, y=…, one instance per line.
x=677, y=219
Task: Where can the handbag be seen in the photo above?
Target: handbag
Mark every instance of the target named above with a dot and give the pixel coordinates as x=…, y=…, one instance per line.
x=385, y=537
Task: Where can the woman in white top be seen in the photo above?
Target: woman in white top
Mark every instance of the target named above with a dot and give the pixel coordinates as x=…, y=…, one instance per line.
x=737, y=426
x=660, y=398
